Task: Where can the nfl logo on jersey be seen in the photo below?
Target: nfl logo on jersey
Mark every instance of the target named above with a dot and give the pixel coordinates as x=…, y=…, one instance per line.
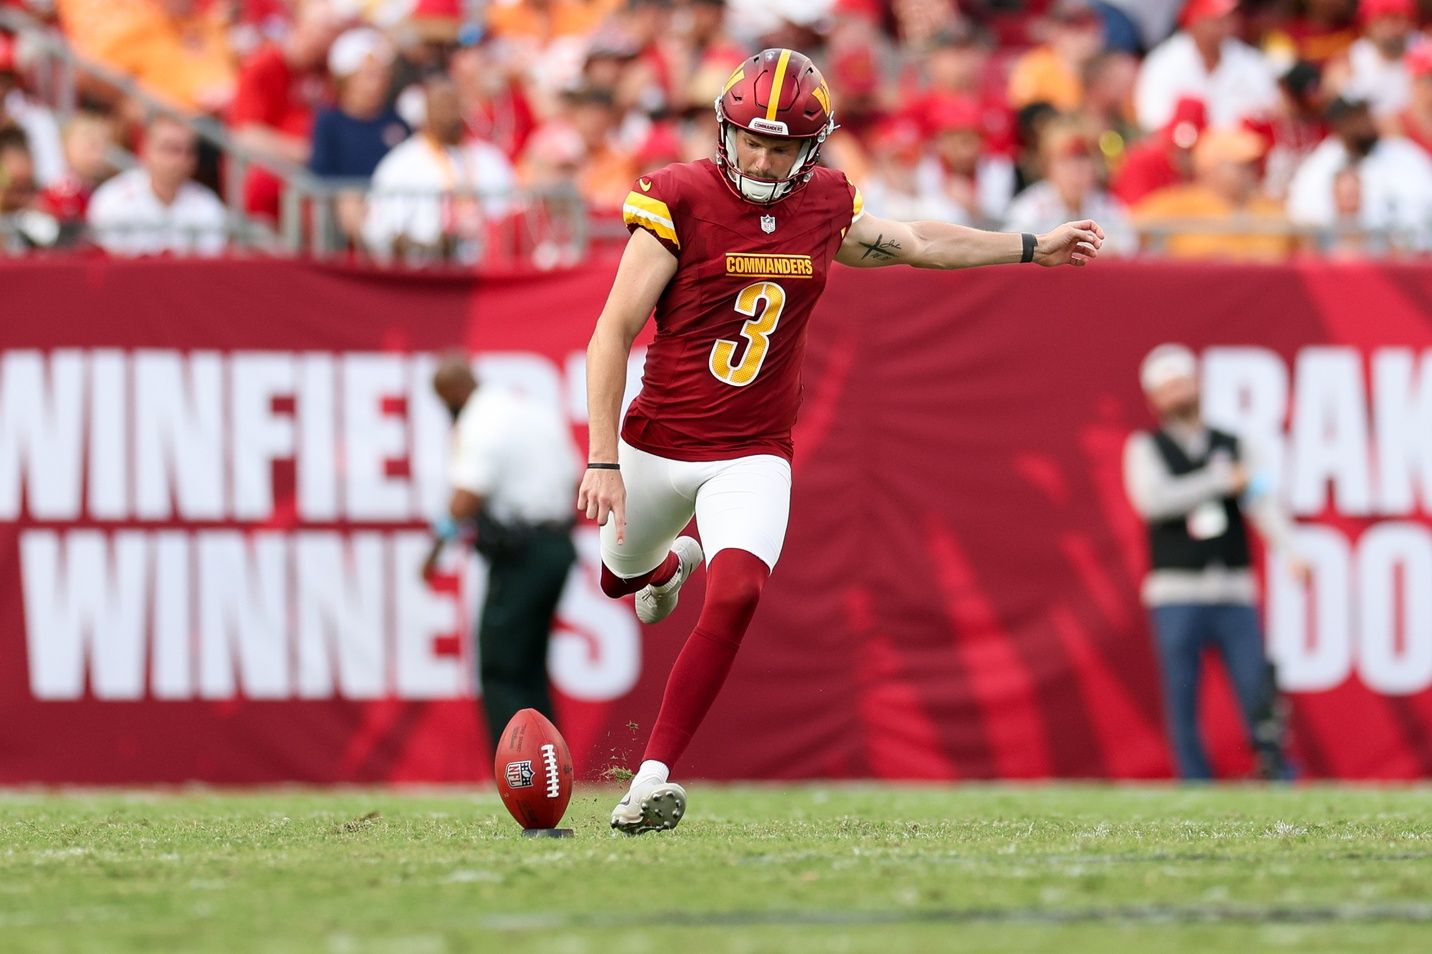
x=768, y=224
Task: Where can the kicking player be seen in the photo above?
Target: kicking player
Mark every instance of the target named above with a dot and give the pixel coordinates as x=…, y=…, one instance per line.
x=732, y=255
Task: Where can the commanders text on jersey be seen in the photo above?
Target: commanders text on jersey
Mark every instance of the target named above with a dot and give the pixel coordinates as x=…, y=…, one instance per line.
x=769, y=266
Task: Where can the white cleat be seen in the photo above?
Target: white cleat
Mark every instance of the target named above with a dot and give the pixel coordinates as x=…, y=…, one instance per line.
x=650, y=806
x=655, y=603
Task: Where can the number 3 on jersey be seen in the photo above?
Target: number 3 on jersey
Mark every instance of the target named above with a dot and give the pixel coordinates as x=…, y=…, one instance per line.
x=764, y=302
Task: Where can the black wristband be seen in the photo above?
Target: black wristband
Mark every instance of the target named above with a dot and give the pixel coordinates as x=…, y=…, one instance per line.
x=1029, y=242
x=604, y=466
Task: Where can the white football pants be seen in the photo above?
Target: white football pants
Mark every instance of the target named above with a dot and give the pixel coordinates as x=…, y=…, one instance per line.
x=740, y=504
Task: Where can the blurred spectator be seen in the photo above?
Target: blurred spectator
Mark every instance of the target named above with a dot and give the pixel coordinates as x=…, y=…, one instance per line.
x=425, y=38
x=960, y=62
x=1031, y=123
x=1394, y=178
x=1205, y=61
x=1132, y=26
x=24, y=225
x=1164, y=158
x=607, y=169
x=18, y=185
x=705, y=55
x=1070, y=190
x=1374, y=69
x=647, y=83
x=1321, y=33
x=279, y=87
x=1346, y=238
x=855, y=75
x=434, y=195
x=1108, y=108
x=88, y=137
x=1296, y=127
x=350, y=139
x=549, y=36
x=156, y=208
x=1416, y=120
x=41, y=131
x=894, y=186
x=494, y=104
x=1054, y=72
x=551, y=165
x=176, y=49
x=977, y=183
x=254, y=22
x=917, y=22
x=1241, y=224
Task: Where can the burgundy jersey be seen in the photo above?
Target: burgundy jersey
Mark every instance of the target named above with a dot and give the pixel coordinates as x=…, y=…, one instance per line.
x=723, y=377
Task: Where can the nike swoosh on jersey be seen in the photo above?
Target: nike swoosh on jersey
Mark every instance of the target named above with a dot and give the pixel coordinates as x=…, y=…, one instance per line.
x=645, y=186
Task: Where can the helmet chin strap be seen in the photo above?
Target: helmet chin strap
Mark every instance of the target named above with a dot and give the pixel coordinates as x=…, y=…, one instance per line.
x=764, y=191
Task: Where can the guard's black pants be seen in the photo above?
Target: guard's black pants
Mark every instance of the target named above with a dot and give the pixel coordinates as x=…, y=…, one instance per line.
x=522, y=592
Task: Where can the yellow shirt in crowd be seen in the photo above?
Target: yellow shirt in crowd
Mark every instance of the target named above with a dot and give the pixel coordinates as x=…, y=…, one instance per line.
x=1041, y=76
x=1195, y=204
x=521, y=18
x=186, y=60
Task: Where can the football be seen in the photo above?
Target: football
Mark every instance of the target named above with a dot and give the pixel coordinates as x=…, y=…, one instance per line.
x=533, y=770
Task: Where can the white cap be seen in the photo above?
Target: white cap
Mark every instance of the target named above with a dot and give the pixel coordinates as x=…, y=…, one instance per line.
x=1167, y=362
x=353, y=47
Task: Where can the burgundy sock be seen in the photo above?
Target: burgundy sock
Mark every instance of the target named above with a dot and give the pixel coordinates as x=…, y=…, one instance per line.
x=733, y=587
x=616, y=587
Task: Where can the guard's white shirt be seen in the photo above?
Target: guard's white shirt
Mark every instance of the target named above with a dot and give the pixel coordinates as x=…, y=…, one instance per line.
x=412, y=188
x=1396, y=183
x=129, y=219
x=516, y=453
x=1242, y=85
x=1157, y=494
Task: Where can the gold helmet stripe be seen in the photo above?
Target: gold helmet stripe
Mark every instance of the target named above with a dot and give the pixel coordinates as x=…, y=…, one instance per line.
x=777, y=83
x=822, y=95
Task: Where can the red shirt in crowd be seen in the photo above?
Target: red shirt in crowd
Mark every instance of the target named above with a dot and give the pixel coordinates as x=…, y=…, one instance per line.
x=505, y=120
x=1146, y=168
x=272, y=93
x=67, y=198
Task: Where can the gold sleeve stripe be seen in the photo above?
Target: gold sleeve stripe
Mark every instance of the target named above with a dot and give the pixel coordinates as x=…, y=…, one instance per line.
x=650, y=213
x=859, y=208
x=777, y=83
x=736, y=77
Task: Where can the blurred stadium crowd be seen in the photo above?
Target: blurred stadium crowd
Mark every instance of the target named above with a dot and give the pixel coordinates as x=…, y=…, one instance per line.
x=1189, y=128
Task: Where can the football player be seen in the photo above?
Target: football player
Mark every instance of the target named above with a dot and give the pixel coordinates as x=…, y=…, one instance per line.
x=732, y=255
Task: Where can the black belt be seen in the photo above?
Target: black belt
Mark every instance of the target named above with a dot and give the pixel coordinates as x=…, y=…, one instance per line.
x=546, y=526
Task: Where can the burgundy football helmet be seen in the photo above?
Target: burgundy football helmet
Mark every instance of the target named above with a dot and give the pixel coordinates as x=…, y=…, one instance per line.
x=774, y=93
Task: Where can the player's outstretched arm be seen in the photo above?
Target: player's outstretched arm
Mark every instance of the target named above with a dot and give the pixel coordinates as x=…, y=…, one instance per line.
x=645, y=269
x=873, y=242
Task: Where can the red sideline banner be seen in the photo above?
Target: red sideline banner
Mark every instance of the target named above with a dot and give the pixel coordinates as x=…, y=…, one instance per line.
x=215, y=478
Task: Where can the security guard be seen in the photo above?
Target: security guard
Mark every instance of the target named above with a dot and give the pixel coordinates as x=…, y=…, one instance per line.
x=514, y=473
x=1198, y=488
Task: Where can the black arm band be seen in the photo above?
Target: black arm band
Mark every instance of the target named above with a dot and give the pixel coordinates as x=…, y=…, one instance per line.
x=604, y=467
x=1029, y=243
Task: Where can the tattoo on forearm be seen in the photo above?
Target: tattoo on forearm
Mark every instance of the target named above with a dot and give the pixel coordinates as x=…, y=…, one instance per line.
x=880, y=248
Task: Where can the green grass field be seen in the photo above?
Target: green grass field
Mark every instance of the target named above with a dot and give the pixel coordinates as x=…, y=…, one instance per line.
x=866, y=868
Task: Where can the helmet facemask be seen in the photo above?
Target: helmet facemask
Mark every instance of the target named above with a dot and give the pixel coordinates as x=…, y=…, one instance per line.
x=753, y=188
